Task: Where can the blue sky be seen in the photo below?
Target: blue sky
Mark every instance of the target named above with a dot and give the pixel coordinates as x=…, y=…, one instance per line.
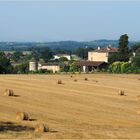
x=68, y=20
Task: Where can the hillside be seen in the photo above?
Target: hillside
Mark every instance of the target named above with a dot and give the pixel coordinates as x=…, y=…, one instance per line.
x=68, y=45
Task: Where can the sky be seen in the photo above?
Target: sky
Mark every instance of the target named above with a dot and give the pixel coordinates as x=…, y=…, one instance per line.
x=68, y=20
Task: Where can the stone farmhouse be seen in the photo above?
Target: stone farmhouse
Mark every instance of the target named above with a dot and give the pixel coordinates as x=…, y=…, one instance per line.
x=101, y=54
x=97, y=59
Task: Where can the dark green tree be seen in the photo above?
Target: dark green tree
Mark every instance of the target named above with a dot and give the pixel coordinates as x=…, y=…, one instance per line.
x=123, y=49
x=136, y=61
x=113, y=58
x=46, y=53
x=63, y=59
x=80, y=52
x=136, y=48
x=83, y=52
x=22, y=68
x=73, y=67
x=17, y=55
x=35, y=54
x=5, y=65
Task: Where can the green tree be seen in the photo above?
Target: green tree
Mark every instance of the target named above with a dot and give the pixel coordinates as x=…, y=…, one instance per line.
x=136, y=48
x=123, y=49
x=113, y=58
x=63, y=59
x=136, y=61
x=46, y=53
x=125, y=67
x=73, y=67
x=5, y=65
x=22, y=68
x=35, y=54
x=83, y=52
x=64, y=68
x=115, y=67
x=17, y=55
x=80, y=52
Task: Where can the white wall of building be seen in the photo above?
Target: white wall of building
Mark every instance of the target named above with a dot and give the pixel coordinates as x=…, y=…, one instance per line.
x=54, y=68
x=67, y=56
x=33, y=66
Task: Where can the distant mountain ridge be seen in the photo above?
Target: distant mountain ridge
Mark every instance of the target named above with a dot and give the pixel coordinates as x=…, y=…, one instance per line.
x=68, y=45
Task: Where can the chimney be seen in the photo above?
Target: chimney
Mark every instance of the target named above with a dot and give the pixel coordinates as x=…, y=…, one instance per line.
x=99, y=48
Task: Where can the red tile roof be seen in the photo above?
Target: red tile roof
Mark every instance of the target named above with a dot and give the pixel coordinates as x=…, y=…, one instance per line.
x=107, y=49
x=90, y=63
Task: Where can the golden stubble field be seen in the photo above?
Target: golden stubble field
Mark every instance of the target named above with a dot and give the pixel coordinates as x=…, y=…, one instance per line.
x=72, y=110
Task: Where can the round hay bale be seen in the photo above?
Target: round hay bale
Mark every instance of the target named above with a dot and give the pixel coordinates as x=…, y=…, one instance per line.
x=71, y=76
x=75, y=80
x=86, y=79
x=41, y=128
x=121, y=93
x=59, y=82
x=8, y=92
x=22, y=116
x=95, y=81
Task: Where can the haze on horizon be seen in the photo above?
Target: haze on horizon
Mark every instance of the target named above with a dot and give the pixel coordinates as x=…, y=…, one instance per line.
x=71, y=20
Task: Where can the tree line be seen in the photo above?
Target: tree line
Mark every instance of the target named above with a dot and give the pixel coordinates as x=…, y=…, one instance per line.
x=127, y=60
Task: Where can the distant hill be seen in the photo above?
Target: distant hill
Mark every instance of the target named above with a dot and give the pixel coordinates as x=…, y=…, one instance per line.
x=68, y=45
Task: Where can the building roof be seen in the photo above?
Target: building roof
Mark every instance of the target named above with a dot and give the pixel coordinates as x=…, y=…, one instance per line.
x=49, y=64
x=90, y=63
x=106, y=49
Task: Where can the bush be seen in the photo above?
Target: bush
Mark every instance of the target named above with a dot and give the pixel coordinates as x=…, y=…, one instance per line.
x=64, y=68
x=21, y=69
x=73, y=67
x=44, y=71
x=115, y=67
x=123, y=67
x=136, y=61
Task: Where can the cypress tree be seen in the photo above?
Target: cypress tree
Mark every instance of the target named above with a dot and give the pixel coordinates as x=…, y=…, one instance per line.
x=123, y=49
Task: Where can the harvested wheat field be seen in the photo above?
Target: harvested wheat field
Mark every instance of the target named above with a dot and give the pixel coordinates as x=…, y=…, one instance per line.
x=72, y=110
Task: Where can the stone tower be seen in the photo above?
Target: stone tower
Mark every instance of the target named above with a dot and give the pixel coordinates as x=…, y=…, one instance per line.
x=33, y=65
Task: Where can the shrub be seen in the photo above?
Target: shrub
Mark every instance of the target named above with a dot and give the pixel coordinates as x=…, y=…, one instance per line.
x=123, y=67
